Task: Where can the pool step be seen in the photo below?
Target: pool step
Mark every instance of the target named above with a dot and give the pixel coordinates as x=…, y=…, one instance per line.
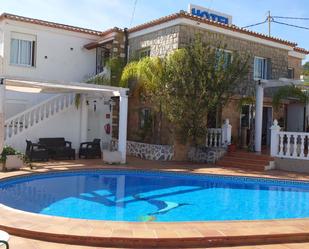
x=245, y=160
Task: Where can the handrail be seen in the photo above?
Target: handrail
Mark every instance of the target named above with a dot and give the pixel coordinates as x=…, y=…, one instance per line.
x=36, y=114
x=32, y=108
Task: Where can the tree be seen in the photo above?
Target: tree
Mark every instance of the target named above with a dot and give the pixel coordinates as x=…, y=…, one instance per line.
x=147, y=77
x=189, y=83
x=201, y=78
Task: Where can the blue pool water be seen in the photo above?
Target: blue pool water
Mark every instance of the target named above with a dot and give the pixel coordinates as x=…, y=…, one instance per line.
x=154, y=196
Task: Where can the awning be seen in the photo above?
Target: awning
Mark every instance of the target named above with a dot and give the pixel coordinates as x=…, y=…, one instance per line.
x=281, y=82
x=61, y=87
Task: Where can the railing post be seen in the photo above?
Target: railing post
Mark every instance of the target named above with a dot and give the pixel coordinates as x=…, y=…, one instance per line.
x=274, y=142
x=226, y=133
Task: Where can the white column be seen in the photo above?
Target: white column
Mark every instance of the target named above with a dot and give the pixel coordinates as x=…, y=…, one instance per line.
x=84, y=119
x=2, y=108
x=123, y=120
x=226, y=132
x=259, y=117
x=274, y=140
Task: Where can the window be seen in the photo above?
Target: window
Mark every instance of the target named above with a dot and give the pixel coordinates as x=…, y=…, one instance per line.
x=260, y=68
x=290, y=73
x=226, y=55
x=144, y=53
x=22, y=52
x=145, y=117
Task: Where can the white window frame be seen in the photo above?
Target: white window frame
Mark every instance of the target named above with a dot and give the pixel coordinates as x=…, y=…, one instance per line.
x=264, y=68
x=145, y=52
x=229, y=52
x=19, y=59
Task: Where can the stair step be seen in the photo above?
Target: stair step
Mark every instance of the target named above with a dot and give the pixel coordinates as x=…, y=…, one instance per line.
x=250, y=156
x=241, y=160
x=229, y=164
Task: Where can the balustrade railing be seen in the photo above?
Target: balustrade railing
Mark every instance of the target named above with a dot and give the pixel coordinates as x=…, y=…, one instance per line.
x=285, y=144
x=214, y=137
x=219, y=137
x=36, y=114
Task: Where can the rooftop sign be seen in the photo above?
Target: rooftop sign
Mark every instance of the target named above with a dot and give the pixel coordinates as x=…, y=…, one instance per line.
x=209, y=14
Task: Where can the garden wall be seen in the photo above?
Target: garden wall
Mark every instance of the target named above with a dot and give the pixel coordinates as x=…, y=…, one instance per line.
x=148, y=151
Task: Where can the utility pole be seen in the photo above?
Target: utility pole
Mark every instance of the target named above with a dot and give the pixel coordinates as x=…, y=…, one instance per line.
x=269, y=18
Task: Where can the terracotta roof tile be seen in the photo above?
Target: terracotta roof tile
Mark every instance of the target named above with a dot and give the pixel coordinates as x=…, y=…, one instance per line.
x=50, y=24
x=183, y=14
x=301, y=50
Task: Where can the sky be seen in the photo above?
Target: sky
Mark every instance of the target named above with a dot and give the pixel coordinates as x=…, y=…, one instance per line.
x=104, y=14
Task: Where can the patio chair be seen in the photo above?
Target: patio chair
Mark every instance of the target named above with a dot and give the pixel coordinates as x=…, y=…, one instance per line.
x=90, y=149
x=36, y=152
x=4, y=238
x=58, y=148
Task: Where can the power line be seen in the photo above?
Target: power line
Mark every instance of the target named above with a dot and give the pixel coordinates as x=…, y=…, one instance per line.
x=133, y=13
x=294, y=18
x=291, y=25
x=256, y=24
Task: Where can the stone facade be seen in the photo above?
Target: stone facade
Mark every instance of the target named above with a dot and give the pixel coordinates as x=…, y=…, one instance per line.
x=165, y=41
x=160, y=43
x=277, y=56
x=295, y=63
x=154, y=152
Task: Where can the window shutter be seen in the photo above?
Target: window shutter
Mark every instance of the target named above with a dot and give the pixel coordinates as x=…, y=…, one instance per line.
x=269, y=69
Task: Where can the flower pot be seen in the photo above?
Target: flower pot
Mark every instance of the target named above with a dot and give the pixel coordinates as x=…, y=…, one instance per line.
x=13, y=162
x=231, y=148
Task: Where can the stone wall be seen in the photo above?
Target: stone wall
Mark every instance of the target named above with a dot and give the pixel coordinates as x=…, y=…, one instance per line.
x=154, y=152
x=161, y=42
x=296, y=64
x=279, y=57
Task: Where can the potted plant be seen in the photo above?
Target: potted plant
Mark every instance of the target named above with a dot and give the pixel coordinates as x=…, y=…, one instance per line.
x=11, y=158
x=232, y=147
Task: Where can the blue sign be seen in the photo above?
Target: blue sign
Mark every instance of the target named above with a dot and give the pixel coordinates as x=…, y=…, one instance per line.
x=210, y=14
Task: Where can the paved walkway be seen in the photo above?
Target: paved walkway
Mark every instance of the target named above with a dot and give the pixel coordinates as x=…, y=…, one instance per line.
x=22, y=243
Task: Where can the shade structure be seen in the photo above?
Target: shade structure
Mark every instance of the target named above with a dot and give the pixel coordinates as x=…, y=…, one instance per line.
x=61, y=87
x=53, y=87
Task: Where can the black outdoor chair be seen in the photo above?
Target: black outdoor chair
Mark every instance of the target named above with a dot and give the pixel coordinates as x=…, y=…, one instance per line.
x=90, y=149
x=36, y=152
x=58, y=148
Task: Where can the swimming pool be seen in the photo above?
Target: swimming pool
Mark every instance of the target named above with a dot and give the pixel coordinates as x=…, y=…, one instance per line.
x=120, y=195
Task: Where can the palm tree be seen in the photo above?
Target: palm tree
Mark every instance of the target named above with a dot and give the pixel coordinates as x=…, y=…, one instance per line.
x=147, y=77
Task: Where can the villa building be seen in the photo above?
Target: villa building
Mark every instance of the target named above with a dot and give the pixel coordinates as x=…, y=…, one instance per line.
x=37, y=50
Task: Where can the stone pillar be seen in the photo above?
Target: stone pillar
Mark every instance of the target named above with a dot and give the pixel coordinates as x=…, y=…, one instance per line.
x=2, y=108
x=226, y=133
x=123, y=120
x=259, y=117
x=84, y=119
x=274, y=140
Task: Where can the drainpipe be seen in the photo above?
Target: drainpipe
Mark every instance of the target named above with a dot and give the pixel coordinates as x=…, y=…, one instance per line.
x=126, y=44
x=2, y=103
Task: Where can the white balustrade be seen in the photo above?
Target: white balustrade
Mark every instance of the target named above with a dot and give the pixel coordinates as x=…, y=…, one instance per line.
x=285, y=144
x=214, y=137
x=37, y=114
x=219, y=137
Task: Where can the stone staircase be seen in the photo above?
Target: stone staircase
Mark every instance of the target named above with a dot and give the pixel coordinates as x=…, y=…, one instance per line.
x=246, y=160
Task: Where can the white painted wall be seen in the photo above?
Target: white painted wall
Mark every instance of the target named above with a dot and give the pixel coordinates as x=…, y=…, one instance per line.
x=54, y=59
x=65, y=124
x=62, y=63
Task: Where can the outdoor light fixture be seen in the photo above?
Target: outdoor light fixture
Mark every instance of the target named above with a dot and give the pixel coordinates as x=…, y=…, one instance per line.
x=94, y=105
